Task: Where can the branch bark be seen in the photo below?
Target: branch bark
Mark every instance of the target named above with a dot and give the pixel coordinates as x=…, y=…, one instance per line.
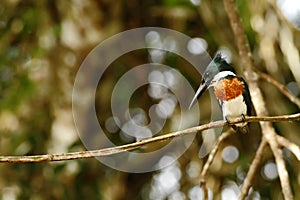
x=268, y=131
x=253, y=168
x=209, y=161
x=295, y=149
x=280, y=87
x=136, y=145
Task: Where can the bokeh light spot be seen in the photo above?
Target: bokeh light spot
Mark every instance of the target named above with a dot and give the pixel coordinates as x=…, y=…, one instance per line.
x=293, y=88
x=270, y=171
x=197, y=46
x=230, y=154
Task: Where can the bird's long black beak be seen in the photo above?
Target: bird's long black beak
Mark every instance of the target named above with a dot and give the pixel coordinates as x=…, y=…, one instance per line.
x=202, y=88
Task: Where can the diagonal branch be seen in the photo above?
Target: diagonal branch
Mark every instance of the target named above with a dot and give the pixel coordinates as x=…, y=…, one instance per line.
x=295, y=149
x=209, y=161
x=136, y=145
x=268, y=131
x=252, y=169
x=280, y=87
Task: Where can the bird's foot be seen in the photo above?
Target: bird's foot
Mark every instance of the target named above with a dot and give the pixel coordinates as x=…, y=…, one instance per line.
x=227, y=121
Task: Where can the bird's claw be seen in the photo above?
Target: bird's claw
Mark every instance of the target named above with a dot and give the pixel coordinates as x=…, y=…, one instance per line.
x=227, y=121
x=243, y=118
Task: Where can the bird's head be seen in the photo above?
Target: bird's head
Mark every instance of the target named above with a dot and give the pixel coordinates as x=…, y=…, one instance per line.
x=218, y=68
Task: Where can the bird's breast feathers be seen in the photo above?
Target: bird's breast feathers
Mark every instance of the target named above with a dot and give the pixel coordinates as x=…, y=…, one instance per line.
x=228, y=89
x=233, y=108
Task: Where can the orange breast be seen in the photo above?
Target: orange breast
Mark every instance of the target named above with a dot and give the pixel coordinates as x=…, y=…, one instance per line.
x=227, y=89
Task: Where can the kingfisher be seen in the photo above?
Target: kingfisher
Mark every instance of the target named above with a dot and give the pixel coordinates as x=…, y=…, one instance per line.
x=230, y=90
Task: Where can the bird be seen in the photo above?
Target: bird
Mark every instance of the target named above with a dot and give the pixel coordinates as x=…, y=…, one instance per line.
x=231, y=91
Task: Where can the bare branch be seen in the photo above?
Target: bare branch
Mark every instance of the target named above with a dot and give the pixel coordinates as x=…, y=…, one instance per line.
x=270, y=135
x=252, y=170
x=295, y=149
x=210, y=159
x=240, y=36
x=128, y=147
x=280, y=87
x=268, y=131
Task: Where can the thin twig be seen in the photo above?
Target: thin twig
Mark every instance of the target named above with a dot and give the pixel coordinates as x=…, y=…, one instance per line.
x=280, y=87
x=209, y=161
x=252, y=169
x=258, y=101
x=295, y=149
x=135, y=145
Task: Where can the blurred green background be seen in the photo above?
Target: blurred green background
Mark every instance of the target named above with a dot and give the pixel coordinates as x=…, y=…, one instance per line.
x=43, y=44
